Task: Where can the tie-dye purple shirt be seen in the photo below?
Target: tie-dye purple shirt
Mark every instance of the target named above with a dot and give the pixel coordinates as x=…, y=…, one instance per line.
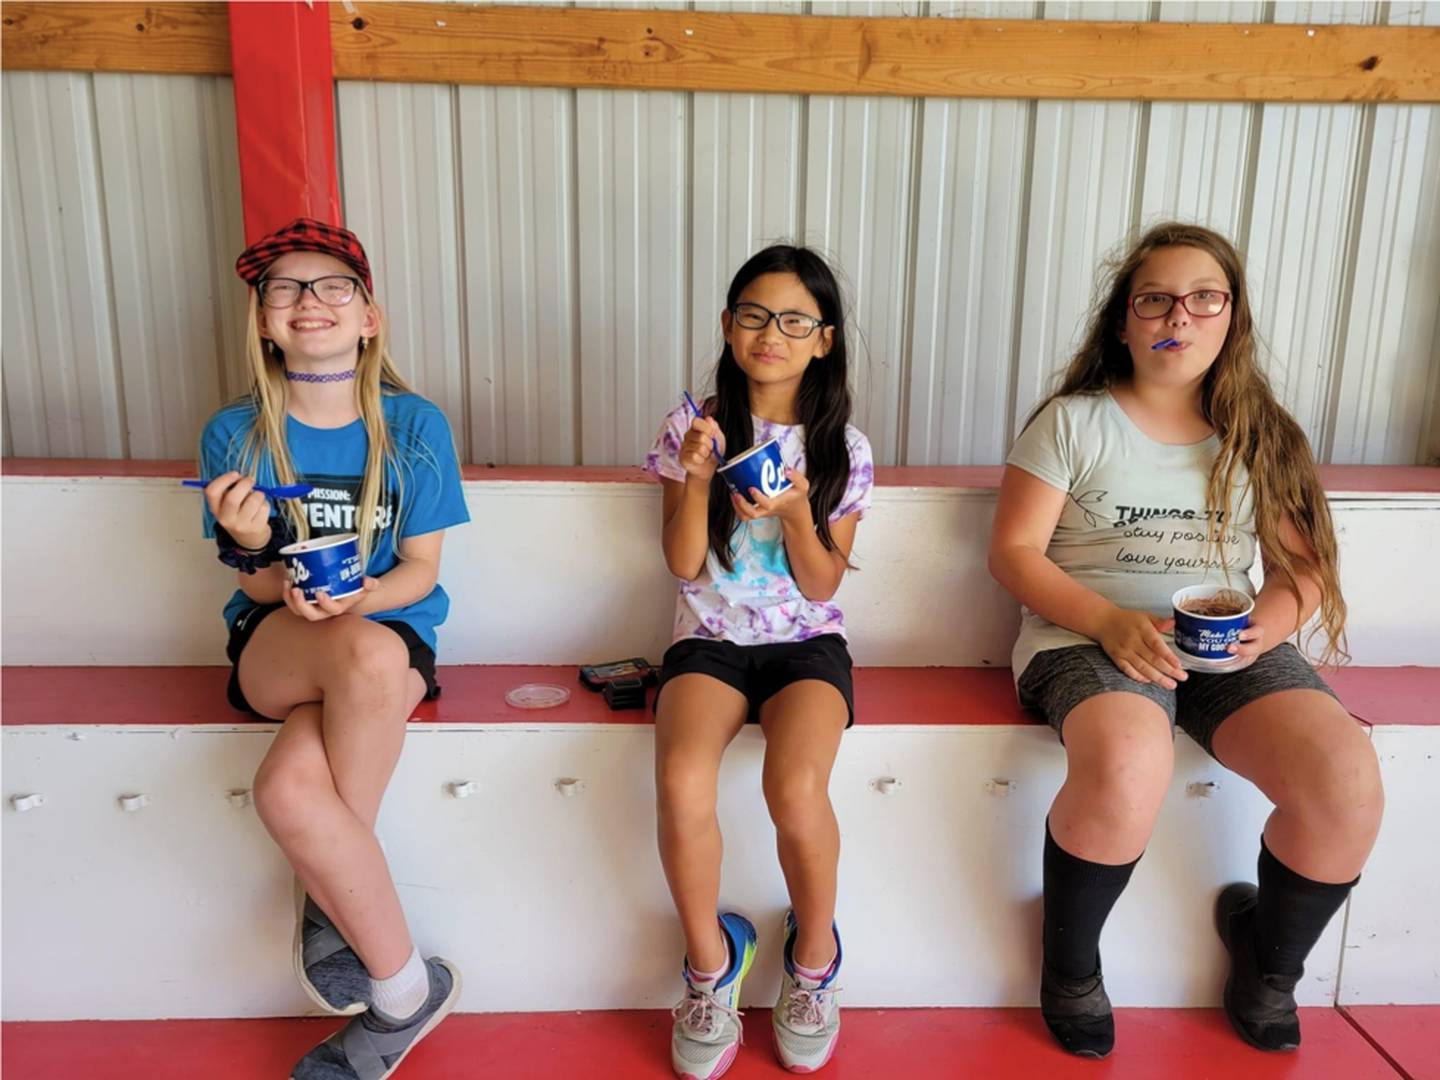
x=759, y=602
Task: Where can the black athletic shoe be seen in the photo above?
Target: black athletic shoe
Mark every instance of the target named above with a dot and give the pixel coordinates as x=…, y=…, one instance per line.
x=1077, y=1012
x=1261, y=1007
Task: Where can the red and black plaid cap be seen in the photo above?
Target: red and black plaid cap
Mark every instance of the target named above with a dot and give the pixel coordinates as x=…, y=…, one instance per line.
x=304, y=234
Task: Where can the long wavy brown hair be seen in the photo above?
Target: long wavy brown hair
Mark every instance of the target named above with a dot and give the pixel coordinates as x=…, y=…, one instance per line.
x=1254, y=429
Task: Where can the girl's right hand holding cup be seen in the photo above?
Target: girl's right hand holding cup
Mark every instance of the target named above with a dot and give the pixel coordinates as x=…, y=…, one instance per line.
x=1133, y=640
x=697, y=451
x=240, y=510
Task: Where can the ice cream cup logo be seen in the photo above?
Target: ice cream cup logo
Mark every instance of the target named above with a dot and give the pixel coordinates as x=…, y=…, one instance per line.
x=761, y=467
x=772, y=479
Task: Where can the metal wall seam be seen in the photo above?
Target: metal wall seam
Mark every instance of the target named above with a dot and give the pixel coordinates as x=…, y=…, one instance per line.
x=632, y=251
x=225, y=219
x=971, y=167
x=858, y=212
x=632, y=207
x=154, y=134
x=1299, y=235
x=1197, y=152
x=397, y=154
x=967, y=274
x=1388, y=362
x=1080, y=209
x=61, y=259
x=26, y=431
x=517, y=176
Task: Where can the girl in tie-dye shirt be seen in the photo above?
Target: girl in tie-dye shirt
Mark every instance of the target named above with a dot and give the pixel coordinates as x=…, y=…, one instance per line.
x=759, y=639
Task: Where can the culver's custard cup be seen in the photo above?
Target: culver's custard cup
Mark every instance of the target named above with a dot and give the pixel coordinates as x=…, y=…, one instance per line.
x=331, y=563
x=1208, y=636
x=761, y=467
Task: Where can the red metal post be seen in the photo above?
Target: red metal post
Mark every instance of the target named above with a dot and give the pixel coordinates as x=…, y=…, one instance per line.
x=284, y=113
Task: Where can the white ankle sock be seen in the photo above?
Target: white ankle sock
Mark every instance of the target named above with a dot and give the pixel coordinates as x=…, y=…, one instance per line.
x=810, y=978
x=706, y=980
x=401, y=995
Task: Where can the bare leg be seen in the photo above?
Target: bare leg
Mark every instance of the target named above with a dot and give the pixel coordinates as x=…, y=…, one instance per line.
x=345, y=689
x=697, y=719
x=803, y=724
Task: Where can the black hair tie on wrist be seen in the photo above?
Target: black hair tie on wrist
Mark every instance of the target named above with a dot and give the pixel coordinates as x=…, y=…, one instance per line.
x=249, y=560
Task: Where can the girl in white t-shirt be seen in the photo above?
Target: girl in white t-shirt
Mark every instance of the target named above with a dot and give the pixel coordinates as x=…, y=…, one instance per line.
x=758, y=638
x=1153, y=467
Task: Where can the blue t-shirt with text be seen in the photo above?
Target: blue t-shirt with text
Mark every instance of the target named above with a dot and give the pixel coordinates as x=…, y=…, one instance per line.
x=333, y=459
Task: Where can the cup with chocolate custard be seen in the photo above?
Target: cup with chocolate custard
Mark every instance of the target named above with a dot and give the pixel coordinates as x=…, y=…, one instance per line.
x=1208, y=620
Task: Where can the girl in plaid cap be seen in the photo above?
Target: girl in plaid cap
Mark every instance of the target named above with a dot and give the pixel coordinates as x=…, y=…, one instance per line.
x=326, y=408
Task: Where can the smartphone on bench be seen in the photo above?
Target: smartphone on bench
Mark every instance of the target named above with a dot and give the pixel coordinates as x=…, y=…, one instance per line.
x=596, y=676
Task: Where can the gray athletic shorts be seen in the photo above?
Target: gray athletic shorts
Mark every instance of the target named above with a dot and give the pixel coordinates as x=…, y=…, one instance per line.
x=1057, y=680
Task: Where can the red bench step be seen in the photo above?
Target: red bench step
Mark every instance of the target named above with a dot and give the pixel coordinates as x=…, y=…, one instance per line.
x=884, y=1044
x=475, y=694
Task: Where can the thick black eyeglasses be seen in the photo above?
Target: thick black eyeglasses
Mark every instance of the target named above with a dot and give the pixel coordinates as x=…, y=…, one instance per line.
x=793, y=324
x=334, y=290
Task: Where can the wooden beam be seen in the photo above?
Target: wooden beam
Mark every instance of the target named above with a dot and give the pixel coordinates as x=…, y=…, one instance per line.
x=911, y=57
x=791, y=54
x=187, y=38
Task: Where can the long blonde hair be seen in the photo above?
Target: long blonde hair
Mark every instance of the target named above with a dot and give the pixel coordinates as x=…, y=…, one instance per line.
x=1254, y=429
x=375, y=376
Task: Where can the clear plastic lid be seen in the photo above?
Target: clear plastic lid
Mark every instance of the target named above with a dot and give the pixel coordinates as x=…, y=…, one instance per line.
x=537, y=696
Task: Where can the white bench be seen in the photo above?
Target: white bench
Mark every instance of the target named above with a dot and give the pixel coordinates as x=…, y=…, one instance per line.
x=940, y=870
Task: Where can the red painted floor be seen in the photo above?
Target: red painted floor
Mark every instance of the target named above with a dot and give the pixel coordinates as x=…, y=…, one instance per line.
x=1409, y=1035
x=878, y=1044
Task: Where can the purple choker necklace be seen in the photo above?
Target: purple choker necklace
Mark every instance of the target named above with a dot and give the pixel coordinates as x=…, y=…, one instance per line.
x=331, y=376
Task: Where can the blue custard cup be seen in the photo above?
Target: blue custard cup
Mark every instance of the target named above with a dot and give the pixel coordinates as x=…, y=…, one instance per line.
x=761, y=467
x=1209, y=618
x=331, y=563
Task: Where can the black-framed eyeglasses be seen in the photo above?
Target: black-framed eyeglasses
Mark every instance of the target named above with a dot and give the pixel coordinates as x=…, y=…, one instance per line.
x=333, y=290
x=793, y=324
x=1202, y=303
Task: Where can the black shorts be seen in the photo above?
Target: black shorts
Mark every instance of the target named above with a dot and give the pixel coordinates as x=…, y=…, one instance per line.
x=762, y=671
x=422, y=657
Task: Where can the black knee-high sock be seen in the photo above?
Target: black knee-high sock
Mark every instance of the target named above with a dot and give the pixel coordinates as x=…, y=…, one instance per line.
x=1291, y=912
x=1078, y=899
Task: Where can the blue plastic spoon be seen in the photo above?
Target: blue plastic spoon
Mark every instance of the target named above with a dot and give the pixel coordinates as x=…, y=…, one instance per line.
x=1164, y=344
x=714, y=445
x=282, y=491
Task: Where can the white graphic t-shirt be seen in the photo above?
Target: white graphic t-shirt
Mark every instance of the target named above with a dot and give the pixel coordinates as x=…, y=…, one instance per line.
x=1134, y=527
x=759, y=602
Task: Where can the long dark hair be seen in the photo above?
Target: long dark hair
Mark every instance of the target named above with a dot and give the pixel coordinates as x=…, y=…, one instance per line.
x=822, y=405
x=1255, y=430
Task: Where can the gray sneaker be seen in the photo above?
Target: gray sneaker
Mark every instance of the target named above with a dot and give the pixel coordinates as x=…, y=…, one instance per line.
x=371, y=1046
x=707, y=1033
x=805, y=1022
x=328, y=969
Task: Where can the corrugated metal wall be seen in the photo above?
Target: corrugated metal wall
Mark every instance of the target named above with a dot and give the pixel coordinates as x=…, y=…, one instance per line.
x=554, y=261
